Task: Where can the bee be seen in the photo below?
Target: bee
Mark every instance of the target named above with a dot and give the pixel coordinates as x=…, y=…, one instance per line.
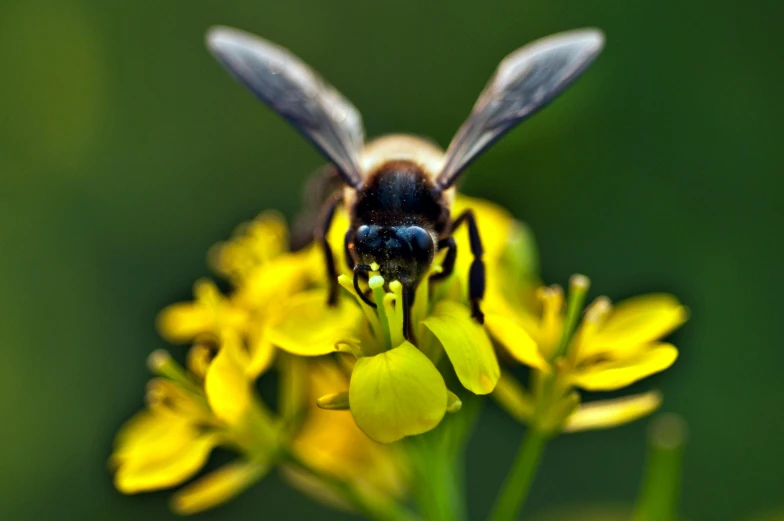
x=398, y=189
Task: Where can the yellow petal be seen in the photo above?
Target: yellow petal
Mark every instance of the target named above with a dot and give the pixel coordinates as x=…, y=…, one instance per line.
x=217, y=487
x=307, y=326
x=396, y=394
x=210, y=312
x=611, y=413
x=494, y=221
x=276, y=280
x=513, y=398
x=614, y=374
x=148, y=435
x=165, y=468
x=181, y=322
x=226, y=384
x=516, y=340
x=262, y=351
x=252, y=245
x=634, y=322
x=467, y=346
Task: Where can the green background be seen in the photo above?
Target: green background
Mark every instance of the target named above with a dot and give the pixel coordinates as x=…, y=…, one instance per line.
x=126, y=152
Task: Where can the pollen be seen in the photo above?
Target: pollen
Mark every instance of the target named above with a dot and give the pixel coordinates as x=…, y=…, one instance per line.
x=376, y=281
x=578, y=281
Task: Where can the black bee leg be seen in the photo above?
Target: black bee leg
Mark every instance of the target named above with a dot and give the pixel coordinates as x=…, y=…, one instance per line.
x=408, y=302
x=449, y=260
x=476, y=276
x=362, y=268
x=321, y=237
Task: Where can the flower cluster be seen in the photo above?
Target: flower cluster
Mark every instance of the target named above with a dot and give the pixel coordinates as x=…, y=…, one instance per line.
x=213, y=402
x=611, y=348
x=352, y=384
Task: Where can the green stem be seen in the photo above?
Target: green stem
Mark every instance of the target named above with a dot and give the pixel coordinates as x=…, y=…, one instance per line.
x=376, y=283
x=658, y=499
x=438, y=491
x=386, y=510
x=521, y=476
x=438, y=459
x=449, y=494
x=578, y=289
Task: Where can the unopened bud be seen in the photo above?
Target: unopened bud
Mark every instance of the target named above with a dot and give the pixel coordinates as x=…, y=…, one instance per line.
x=158, y=361
x=453, y=402
x=597, y=310
x=334, y=401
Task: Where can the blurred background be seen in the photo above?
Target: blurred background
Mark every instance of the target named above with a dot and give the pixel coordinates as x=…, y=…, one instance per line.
x=125, y=152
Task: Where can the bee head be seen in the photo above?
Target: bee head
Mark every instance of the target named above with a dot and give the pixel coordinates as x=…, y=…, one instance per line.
x=403, y=252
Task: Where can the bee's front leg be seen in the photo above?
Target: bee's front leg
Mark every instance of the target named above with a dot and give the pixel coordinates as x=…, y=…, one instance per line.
x=322, y=231
x=448, y=266
x=476, y=275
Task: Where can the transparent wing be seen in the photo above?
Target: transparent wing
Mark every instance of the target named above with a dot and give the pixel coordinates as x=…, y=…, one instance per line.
x=296, y=92
x=524, y=82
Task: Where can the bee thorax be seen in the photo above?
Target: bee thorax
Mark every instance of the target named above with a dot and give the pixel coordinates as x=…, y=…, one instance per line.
x=397, y=193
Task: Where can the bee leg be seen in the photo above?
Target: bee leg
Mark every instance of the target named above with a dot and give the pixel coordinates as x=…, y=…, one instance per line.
x=476, y=275
x=448, y=266
x=362, y=268
x=408, y=302
x=321, y=237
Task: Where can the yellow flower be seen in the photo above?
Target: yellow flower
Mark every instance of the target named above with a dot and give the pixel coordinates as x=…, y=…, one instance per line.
x=187, y=416
x=330, y=441
x=190, y=413
x=264, y=273
x=611, y=348
x=254, y=244
x=209, y=314
x=258, y=262
x=395, y=388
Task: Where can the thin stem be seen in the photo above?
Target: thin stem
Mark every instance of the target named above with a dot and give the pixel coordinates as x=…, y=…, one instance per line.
x=161, y=363
x=376, y=284
x=387, y=510
x=521, y=476
x=658, y=499
x=578, y=288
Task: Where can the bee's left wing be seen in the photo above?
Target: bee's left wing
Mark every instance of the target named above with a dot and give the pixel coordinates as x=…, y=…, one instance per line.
x=524, y=82
x=296, y=92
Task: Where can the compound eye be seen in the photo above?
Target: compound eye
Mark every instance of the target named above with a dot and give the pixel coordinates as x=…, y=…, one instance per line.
x=421, y=242
x=366, y=239
x=363, y=234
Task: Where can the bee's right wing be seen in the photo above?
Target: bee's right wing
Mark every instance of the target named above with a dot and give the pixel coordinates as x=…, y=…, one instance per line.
x=296, y=92
x=524, y=82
